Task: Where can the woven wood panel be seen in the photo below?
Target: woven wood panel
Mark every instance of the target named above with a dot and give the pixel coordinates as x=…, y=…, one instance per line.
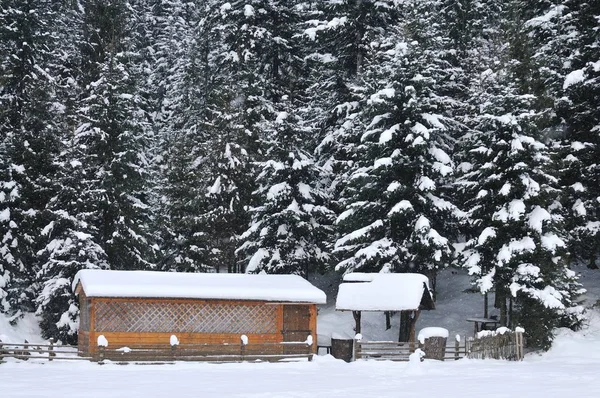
x=129, y=316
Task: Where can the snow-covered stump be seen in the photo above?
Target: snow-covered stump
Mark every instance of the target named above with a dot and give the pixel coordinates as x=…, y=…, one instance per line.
x=433, y=342
x=342, y=348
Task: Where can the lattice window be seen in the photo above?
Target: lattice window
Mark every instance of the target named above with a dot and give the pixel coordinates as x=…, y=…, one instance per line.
x=128, y=316
x=84, y=315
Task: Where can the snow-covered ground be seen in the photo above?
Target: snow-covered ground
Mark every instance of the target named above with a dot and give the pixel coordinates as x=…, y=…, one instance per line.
x=570, y=368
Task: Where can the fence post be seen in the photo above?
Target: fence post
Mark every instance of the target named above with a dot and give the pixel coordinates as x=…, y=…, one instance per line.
x=357, y=340
x=174, y=341
x=244, y=342
x=102, y=344
x=51, y=353
x=174, y=351
x=519, y=342
x=2, y=352
x=456, y=347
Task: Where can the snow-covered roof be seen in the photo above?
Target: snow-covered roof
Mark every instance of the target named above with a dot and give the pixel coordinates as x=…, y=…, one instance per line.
x=154, y=284
x=382, y=292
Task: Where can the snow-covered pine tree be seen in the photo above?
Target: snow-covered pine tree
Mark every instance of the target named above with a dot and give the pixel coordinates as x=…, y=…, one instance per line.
x=291, y=217
x=70, y=247
x=114, y=132
x=341, y=32
x=517, y=238
x=68, y=239
x=29, y=137
x=396, y=214
x=582, y=135
x=292, y=221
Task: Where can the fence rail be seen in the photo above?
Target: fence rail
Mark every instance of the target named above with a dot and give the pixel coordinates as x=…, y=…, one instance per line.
x=270, y=352
x=395, y=351
x=50, y=351
x=500, y=344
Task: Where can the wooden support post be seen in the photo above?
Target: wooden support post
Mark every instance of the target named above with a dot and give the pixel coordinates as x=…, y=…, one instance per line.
x=51, y=353
x=357, y=316
x=388, y=320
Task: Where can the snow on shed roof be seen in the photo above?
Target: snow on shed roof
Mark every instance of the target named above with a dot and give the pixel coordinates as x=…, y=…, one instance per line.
x=155, y=284
x=381, y=292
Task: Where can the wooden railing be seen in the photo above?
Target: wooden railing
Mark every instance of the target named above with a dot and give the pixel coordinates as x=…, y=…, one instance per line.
x=160, y=353
x=49, y=351
x=270, y=352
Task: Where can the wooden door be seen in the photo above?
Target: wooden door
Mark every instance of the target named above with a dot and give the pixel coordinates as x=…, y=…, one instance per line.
x=296, y=327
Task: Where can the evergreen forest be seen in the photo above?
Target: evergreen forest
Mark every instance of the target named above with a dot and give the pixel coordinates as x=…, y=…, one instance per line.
x=301, y=137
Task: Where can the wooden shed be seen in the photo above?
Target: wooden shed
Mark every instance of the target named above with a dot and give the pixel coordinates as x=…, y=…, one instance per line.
x=407, y=293
x=138, y=308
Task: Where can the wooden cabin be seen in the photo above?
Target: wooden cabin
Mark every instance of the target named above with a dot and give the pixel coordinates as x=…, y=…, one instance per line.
x=140, y=308
x=407, y=294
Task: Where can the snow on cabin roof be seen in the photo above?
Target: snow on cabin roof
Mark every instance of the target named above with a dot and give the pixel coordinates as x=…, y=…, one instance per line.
x=155, y=284
x=381, y=292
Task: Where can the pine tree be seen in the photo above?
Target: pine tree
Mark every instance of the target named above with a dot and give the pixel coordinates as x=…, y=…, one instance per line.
x=70, y=247
x=114, y=132
x=68, y=240
x=29, y=135
x=290, y=217
x=516, y=234
x=580, y=110
x=397, y=215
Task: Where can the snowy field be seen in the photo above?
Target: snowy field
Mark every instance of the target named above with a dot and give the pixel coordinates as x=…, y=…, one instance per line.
x=570, y=368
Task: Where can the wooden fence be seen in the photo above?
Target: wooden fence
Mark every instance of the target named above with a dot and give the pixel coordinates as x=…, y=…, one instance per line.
x=498, y=345
x=159, y=354
x=502, y=344
x=394, y=351
x=49, y=351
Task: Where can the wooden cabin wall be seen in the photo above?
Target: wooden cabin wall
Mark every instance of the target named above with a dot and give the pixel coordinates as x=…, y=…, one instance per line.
x=131, y=322
x=134, y=322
